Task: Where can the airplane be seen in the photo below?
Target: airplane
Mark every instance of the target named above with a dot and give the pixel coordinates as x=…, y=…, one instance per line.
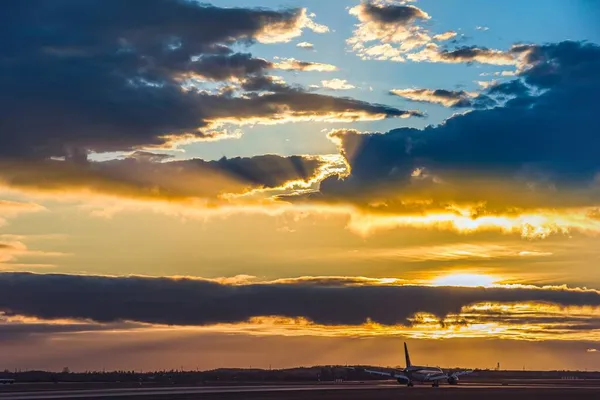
x=413, y=373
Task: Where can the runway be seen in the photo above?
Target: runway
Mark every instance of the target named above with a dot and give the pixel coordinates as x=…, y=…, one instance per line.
x=325, y=391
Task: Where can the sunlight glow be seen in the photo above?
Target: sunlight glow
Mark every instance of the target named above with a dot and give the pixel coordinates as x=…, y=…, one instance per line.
x=536, y=225
x=465, y=280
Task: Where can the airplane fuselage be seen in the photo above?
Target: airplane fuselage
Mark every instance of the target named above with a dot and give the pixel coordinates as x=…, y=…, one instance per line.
x=422, y=374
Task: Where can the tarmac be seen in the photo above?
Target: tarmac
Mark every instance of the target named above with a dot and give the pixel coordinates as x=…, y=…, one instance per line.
x=491, y=391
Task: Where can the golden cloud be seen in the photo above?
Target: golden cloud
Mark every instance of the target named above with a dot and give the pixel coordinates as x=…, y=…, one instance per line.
x=284, y=31
x=446, y=98
x=9, y=209
x=291, y=64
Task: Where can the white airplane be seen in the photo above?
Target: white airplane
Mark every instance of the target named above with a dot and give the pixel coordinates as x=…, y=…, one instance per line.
x=415, y=374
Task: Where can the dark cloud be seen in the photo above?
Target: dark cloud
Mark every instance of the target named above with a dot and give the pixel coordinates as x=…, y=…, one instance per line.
x=200, y=302
x=515, y=87
x=562, y=64
x=316, y=105
x=391, y=14
x=148, y=156
x=145, y=175
x=465, y=54
x=224, y=67
x=264, y=83
x=447, y=98
x=80, y=76
x=534, y=151
x=92, y=74
x=14, y=331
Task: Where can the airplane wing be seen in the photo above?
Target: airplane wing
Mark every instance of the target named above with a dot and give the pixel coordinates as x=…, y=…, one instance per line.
x=459, y=373
x=441, y=377
x=393, y=375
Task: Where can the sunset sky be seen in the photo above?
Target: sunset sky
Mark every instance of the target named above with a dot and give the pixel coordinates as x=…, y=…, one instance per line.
x=299, y=182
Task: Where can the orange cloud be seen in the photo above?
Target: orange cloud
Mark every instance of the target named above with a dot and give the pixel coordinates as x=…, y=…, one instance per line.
x=9, y=209
x=13, y=249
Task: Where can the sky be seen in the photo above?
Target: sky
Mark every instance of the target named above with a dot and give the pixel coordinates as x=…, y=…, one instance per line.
x=290, y=183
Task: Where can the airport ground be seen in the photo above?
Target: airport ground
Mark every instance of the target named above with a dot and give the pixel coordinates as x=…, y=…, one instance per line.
x=513, y=390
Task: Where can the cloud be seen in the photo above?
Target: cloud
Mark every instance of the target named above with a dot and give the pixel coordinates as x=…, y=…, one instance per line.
x=466, y=54
x=337, y=84
x=296, y=65
x=182, y=301
x=13, y=327
x=281, y=30
x=11, y=209
x=386, y=31
x=447, y=98
x=11, y=250
x=20, y=331
x=388, y=13
x=14, y=252
x=296, y=106
x=222, y=67
x=453, y=252
x=146, y=175
x=445, y=36
x=392, y=31
x=115, y=79
x=306, y=45
x=286, y=104
x=7, y=251
x=526, y=165
x=487, y=84
x=563, y=66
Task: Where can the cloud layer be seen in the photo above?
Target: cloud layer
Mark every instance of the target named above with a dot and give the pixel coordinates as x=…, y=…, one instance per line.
x=114, y=78
x=513, y=157
x=448, y=98
x=144, y=175
x=200, y=302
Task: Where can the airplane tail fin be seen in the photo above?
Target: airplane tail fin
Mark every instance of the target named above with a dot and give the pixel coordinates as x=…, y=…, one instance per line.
x=407, y=356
